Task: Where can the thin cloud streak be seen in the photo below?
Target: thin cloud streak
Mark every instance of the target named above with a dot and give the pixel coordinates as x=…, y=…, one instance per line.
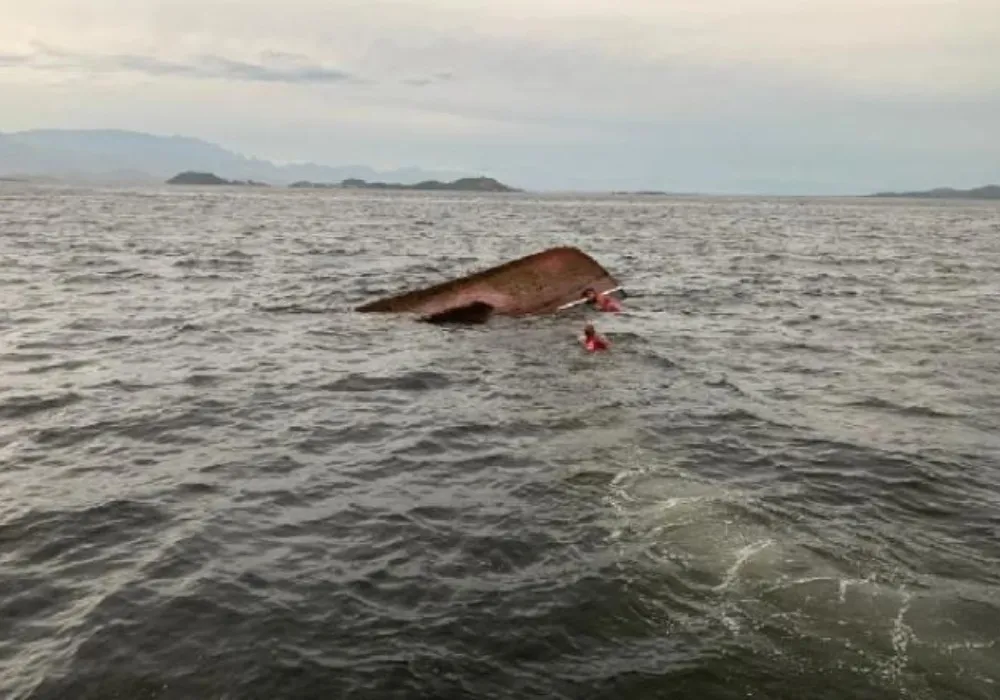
x=206, y=66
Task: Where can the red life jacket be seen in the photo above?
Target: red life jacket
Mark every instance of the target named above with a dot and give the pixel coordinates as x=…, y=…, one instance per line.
x=595, y=343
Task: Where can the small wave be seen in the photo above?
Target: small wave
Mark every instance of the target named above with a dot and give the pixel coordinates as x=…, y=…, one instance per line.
x=197, y=488
x=234, y=261
x=25, y=357
x=130, y=387
x=42, y=535
x=58, y=366
x=410, y=381
x=736, y=415
x=802, y=320
x=811, y=347
x=23, y=406
x=293, y=309
x=902, y=409
x=183, y=427
x=202, y=379
x=321, y=439
x=207, y=277
x=30, y=598
x=724, y=382
x=103, y=277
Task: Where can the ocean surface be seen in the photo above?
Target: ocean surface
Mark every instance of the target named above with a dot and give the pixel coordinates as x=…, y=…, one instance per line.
x=218, y=481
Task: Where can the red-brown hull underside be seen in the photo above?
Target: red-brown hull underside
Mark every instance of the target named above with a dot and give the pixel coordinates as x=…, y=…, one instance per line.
x=535, y=284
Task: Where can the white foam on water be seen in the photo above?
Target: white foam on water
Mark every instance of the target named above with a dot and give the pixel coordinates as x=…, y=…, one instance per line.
x=764, y=576
x=902, y=634
x=742, y=557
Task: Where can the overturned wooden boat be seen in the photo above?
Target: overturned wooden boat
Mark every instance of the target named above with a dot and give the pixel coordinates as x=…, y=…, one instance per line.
x=541, y=283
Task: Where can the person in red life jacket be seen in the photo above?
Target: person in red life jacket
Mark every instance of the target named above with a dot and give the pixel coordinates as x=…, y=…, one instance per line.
x=601, y=302
x=592, y=341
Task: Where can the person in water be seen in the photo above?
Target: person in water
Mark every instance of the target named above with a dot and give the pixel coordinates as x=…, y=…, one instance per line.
x=600, y=301
x=592, y=341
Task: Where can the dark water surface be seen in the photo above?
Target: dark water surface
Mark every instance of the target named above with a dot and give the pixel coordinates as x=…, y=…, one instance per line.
x=216, y=481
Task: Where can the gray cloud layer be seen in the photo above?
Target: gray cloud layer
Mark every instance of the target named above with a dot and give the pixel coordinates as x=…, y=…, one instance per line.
x=276, y=68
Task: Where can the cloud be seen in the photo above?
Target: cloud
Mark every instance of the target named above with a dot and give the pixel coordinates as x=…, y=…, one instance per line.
x=434, y=79
x=272, y=67
x=14, y=59
x=218, y=66
x=275, y=67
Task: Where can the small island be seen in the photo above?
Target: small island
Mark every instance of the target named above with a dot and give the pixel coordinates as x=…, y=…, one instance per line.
x=190, y=177
x=986, y=192
x=465, y=184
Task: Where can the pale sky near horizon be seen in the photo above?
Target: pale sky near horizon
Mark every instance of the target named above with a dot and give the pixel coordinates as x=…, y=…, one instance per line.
x=782, y=96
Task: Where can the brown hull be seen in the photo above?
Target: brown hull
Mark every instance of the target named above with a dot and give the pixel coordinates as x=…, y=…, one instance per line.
x=536, y=284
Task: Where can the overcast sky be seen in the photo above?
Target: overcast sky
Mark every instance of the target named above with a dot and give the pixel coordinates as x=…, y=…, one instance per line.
x=782, y=96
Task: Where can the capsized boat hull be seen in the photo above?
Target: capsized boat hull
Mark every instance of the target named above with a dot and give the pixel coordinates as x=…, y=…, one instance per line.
x=540, y=283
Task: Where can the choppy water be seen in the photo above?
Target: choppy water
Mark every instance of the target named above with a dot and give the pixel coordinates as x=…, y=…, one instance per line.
x=216, y=481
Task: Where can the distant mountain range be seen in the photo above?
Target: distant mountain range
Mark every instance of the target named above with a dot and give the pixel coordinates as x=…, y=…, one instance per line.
x=115, y=156
x=110, y=156
x=986, y=192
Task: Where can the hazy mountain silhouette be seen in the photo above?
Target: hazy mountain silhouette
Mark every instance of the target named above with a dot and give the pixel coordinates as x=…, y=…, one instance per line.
x=984, y=192
x=115, y=155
